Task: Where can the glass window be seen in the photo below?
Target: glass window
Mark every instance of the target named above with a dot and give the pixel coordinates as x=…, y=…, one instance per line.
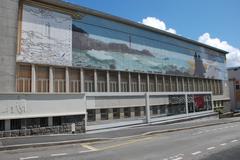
x=74, y=80
x=24, y=78
x=104, y=114
x=116, y=113
x=59, y=80
x=15, y=124
x=2, y=125
x=42, y=79
x=137, y=111
x=127, y=112
x=91, y=115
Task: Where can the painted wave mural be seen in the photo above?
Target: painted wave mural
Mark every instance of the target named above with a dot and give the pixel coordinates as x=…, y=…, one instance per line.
x=92, y=50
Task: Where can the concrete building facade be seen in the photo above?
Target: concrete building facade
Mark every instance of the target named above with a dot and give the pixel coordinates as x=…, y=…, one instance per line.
x=63, y=64
x=234, y=86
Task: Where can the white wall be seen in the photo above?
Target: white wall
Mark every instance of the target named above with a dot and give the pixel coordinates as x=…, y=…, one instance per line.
x=13, y=106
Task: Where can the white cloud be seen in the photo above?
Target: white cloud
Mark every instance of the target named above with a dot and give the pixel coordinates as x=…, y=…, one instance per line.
x=233, y=57
x=157, y=23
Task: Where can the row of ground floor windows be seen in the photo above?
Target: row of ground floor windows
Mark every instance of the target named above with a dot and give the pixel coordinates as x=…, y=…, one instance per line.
x=31, y=78
x=130, y=112
x=16, y=124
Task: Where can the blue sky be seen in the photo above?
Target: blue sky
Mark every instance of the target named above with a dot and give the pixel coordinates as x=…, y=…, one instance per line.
x=216, y=21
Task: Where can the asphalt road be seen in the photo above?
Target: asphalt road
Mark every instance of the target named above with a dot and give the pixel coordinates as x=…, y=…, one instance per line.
x=207, y=143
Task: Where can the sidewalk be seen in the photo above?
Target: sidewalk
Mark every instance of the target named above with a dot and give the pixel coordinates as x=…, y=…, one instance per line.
x=37, y=141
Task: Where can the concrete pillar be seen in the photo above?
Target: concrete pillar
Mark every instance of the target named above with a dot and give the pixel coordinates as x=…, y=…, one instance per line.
x=110, y=113
x=139, y=82
x=50, y=121
x=194, y=87
x=156, y=82
x=51, y=79
x=33, y=79
x=82, y=80
x=98, y=114
x=183, y=86
x=95, y=81
x=129, y=82
x=177, y=85
x=186, y=104
x=121, y=113
x=148, y=117
x=148, y=83
x=67, y=79
x=188, y=85
x=132, y=111
x=108, y=82
x=170, y=83
x=119, y=81
x=7, y=124
x=164, y=87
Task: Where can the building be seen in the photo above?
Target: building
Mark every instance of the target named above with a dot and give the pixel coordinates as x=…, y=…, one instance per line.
x=64, y=64
x=234, y=86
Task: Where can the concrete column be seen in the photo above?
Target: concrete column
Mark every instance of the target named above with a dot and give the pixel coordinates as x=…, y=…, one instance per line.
x=67, y=79
x=119, y=81
x=183, y=86
x=33, y=79
x=50, y=121
x=193, y=82
x=170, y=81
x=129, y=82
x=82, y=80
x=156, y=82
x=110, y=113
x=132, y=112
x=98, y=114
x=164, y=87
x=108, y=81
x=148, y=83
x=121, y=113
x=188, y=84
x=148, y=117
x=159, y=111
x=186, y=103
x=177, y=84
x=51, y=79
x=7, y=124
x=95, y=81
x=139, y=82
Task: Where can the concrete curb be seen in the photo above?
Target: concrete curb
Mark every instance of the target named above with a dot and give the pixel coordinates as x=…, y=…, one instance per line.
x=13, y=147
x=186, y=128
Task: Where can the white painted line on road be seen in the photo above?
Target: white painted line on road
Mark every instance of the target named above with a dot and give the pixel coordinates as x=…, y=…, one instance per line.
x=179, y=158
x=85, y=151
x=223, y=144
x=33, y=157
x=211, y=148
x=58, y=154
x=89, y=147
x=196, y=153
x=234, y=141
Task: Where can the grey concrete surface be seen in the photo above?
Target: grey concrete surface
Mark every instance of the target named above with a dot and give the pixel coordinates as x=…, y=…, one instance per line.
x=198, y=143
x=114, y=133
x=8, y=45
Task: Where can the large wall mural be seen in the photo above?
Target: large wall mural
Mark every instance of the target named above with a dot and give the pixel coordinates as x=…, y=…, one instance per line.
x=99, y=47
x=53, y=38
x=46, y=37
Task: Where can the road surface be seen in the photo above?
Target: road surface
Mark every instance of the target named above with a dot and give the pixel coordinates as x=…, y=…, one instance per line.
x=208, y=143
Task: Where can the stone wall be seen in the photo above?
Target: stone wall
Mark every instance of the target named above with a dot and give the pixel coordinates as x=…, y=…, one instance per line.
x=63, y=129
